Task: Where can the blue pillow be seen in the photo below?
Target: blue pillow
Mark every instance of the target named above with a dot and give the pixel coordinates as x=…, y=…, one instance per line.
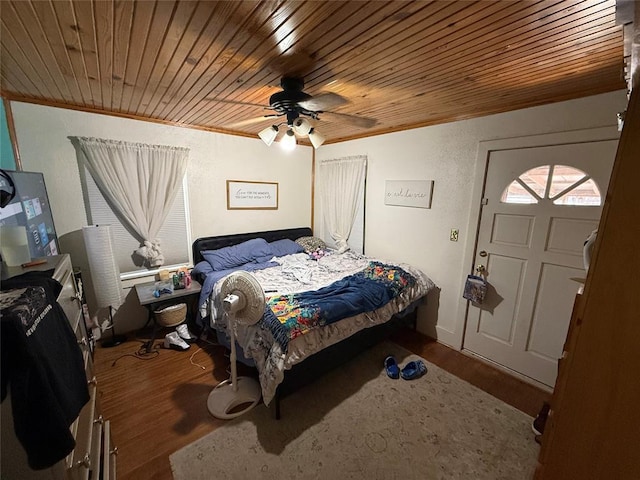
x=236, y=255
x=283, y=247
x=265, y=259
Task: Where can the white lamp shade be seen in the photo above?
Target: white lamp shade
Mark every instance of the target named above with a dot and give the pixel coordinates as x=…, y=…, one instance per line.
x=105, y=273
x=288, y=141
x=316, y=138
x=268, y=135
x=301, y=126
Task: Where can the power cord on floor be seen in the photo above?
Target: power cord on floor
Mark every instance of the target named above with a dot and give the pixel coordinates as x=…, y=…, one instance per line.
x=148, y=351
x=196, y=364
x=209, y=344
x=143, y=353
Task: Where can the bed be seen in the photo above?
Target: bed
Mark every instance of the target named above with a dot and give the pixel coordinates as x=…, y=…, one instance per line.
x=296, y=340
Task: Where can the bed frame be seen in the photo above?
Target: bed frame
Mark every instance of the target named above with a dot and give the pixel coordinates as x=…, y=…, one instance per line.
x=327, y=359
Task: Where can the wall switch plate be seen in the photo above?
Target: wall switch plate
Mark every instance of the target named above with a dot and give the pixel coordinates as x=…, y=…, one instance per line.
x=453, y=236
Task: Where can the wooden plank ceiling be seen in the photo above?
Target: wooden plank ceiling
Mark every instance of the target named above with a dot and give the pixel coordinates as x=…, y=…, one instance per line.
x=214, y=65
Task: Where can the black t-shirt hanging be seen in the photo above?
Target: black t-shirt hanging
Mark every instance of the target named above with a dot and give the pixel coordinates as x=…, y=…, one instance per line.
x=42, y=367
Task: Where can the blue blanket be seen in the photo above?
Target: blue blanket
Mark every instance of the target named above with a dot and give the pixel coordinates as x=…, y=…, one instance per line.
x=289, y=316
x=211, y=276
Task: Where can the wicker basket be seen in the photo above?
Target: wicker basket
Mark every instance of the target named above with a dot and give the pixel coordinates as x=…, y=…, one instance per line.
x=171, y=315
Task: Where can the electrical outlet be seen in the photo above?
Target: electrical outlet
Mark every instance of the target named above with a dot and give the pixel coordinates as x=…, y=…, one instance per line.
x=453, y=236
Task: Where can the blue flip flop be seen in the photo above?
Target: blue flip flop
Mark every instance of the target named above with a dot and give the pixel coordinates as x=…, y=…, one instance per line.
x=391, y=366
x=413, y=370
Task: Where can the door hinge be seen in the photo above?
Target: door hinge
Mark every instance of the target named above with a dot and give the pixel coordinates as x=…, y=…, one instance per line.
x=484, y=201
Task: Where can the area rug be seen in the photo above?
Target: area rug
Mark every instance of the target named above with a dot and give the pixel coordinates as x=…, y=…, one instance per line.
x=356, y=423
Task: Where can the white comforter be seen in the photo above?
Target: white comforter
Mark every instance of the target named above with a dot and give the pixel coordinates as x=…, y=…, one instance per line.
x=297, y=273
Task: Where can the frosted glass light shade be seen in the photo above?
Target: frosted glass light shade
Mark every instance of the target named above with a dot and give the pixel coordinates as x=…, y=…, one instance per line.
x=288, y=141
x=301, y=126
x=316, y=138
x=268, y=135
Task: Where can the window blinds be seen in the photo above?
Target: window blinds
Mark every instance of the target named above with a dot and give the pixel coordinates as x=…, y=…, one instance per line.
x=174, y=235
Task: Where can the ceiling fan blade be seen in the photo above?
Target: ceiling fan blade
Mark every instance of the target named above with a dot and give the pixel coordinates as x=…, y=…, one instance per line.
x=323, y=102
x=251, y=121
x=363, y=122
x=292, y=64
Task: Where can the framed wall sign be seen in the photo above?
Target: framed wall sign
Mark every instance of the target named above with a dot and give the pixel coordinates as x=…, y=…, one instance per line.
x=247, y=195
x=408, y=193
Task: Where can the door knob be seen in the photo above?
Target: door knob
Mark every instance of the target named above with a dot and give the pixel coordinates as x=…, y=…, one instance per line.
x=480, y=269
x=483, y=253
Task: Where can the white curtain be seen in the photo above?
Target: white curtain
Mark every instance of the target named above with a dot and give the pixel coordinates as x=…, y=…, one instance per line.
x=140, y=181
x=340, y=184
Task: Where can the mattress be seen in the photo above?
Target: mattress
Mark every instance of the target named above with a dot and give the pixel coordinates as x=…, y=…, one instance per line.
x=293, y=276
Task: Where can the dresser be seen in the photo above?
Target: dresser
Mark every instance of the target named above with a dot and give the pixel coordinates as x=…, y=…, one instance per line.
x=94, y=457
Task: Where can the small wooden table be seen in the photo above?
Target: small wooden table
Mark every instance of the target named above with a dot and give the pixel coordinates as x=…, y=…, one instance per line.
x=148, y=300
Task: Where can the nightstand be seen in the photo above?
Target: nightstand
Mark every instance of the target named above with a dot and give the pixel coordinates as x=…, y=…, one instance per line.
x=148, y=300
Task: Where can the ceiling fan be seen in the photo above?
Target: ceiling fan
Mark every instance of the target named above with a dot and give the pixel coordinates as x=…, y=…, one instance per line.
x=294, y=105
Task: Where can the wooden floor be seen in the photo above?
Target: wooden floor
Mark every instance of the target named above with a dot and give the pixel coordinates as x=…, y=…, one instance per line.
x=158, y=405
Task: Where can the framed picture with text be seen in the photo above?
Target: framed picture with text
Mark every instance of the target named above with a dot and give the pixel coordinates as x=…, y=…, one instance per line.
x=248, y=195
x=408, y=193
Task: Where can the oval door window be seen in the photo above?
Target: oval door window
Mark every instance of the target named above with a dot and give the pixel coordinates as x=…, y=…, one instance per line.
x=561, y=184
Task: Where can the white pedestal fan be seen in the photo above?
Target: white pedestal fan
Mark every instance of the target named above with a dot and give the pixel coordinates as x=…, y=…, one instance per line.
x=243, y=304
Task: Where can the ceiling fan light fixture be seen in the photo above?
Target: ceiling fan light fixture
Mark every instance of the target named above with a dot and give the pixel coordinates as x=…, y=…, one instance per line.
x=302, y=126
x=269, y=134
x=316, y=138
x=288, y=141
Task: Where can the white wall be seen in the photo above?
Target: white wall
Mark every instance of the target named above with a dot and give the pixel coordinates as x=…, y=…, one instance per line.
x=448, y=154
x=42, y=134
x=445, y=153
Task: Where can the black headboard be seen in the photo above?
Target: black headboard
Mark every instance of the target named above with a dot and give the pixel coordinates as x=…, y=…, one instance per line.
x=213, y=243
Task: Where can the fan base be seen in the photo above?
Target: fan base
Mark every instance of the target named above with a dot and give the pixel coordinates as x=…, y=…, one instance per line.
x=223, y=401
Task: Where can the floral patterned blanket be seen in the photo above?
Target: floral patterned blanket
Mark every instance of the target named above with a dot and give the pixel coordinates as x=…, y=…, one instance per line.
x=305, y=313
x=289, y=316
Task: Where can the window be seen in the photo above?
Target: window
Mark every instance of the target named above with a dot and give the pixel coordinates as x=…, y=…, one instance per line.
x=174, y=235
x=561, y=184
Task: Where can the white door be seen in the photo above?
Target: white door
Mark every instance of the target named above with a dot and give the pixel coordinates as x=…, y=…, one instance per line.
x=539, y=206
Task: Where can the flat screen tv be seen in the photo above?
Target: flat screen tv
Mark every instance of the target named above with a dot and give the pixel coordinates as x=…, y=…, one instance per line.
x=30, y=208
